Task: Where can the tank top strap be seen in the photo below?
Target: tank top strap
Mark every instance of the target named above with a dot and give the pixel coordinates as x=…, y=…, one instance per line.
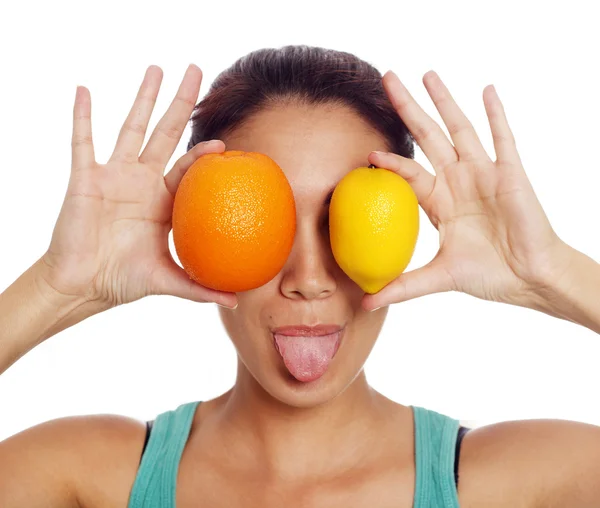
x=435, y=442
x=156, y=479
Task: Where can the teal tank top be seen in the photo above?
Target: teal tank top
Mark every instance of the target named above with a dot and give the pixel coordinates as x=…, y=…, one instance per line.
x=435, y=441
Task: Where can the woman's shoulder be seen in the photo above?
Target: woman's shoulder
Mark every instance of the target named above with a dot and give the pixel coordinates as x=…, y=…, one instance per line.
x=99, y=453
x=113, y=445
x=530, y=463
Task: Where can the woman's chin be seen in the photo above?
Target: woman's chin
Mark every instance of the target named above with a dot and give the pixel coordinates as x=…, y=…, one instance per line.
x=291, y=392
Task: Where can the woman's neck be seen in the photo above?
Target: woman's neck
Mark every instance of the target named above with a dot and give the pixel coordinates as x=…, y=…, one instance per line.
x=253, y=429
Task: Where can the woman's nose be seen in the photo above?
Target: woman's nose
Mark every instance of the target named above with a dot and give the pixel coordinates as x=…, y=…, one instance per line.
x=309, y=271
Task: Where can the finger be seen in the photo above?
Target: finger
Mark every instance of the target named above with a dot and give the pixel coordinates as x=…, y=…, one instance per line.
x=132, y=134
x=504, y=140
x=428, y=134
x=168, y=131
x=463, y=135
x=429, y=279
x=171, y=279
x=420, y=180
x=82, y=144
x=174, y=176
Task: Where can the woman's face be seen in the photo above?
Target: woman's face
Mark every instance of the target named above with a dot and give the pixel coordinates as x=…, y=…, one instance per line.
x=315, y=146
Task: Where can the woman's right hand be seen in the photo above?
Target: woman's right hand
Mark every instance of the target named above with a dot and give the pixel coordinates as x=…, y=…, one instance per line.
x=110, y=243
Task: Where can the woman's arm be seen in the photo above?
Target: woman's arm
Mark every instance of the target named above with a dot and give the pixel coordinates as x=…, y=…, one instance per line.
x=496, y=242
x=109, y=247
x=31, y=311
x=574, y=293
x=110, y=242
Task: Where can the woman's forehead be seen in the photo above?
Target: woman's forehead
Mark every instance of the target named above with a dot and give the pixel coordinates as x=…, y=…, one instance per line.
x=314, y=145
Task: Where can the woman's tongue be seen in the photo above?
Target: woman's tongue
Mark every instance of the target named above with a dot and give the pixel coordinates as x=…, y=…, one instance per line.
x=307, y=358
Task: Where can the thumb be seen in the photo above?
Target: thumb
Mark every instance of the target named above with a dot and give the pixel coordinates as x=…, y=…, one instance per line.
x=420, y=180
x=171, y=279
x=175, y=175
x=431, y=278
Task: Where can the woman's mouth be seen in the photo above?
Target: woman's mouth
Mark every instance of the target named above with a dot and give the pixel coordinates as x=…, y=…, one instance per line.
x=307, y=351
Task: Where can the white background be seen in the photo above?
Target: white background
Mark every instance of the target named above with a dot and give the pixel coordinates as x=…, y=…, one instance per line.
x=478, y=361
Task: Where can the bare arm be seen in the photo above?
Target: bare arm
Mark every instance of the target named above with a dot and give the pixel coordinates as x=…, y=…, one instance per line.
x=31, y=311
x=496, y=242
x=110, y=242
x=574, y=293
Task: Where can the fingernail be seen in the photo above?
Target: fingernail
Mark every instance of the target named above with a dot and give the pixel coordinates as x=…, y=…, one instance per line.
x=378, y=153
x=376, y=308
x=227, y=306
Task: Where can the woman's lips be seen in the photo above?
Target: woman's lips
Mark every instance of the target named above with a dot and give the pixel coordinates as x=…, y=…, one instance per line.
x=307, y=351
x=307, y=331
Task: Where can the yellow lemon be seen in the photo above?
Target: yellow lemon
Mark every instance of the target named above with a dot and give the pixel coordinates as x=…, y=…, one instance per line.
x=373, y=226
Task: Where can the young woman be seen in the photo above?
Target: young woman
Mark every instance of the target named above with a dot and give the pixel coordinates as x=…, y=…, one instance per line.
x=272, y=440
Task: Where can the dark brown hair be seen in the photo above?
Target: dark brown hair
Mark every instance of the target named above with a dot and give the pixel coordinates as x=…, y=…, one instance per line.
x=302, y=74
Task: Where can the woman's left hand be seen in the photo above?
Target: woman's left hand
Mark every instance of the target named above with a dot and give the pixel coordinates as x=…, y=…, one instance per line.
x=496, y=242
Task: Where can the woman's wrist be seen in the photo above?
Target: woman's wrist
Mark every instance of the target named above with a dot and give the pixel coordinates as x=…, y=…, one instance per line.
x=31, y=311
x=572, y=290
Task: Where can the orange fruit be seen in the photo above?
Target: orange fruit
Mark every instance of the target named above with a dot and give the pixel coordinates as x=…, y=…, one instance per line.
x=234, y=220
